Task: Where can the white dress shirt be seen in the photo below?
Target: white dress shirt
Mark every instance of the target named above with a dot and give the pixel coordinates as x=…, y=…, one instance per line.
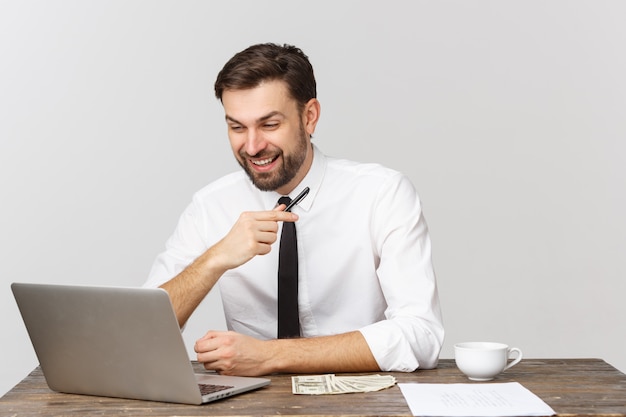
x=364, y=260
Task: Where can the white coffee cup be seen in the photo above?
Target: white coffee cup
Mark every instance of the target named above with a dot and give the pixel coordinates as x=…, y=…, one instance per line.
x=482, y=361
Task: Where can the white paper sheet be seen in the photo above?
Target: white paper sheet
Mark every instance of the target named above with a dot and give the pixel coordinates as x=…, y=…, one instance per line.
x=478, y=400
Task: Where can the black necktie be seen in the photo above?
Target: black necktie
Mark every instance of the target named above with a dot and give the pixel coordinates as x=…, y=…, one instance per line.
x=288, y=317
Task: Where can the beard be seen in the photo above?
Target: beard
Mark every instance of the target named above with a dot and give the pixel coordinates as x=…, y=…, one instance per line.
x=270, y=181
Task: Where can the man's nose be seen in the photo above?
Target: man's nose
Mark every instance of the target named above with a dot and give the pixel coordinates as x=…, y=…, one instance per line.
x=255, y=142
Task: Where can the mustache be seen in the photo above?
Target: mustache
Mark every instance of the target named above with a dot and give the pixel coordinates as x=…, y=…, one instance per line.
x=261, y=155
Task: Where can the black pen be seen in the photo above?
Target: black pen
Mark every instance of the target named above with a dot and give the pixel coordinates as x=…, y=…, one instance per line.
x=298, y=198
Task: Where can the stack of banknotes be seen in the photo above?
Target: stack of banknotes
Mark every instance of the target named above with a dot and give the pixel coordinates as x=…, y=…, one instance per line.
x=332, y=384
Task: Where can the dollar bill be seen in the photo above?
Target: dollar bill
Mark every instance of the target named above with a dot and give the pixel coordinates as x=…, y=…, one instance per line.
x=332, y=384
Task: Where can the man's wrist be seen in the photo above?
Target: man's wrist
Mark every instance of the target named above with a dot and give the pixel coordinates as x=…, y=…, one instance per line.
x=211, y=264
x=277, y=355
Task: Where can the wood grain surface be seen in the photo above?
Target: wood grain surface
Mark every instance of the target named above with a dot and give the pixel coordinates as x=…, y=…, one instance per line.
x=572, y=387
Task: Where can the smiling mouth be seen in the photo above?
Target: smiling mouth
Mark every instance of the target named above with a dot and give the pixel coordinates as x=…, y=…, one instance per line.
x=263, y=162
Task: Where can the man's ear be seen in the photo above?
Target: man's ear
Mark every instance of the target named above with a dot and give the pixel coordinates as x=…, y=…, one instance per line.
x=311, y=115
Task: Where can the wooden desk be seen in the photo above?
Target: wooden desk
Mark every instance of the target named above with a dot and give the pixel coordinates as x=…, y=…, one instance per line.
x=572, y=387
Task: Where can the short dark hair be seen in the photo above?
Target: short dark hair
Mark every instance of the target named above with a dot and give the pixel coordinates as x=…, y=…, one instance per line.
x=268, y=62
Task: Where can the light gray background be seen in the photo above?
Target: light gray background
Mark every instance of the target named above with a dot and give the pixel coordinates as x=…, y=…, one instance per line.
x=507, y=115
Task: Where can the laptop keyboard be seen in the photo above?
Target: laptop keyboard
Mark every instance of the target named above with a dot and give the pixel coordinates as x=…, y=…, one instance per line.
x=210, y=389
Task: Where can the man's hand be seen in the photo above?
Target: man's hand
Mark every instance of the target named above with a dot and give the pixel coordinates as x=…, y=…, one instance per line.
x=231, y=353
x=252, y=235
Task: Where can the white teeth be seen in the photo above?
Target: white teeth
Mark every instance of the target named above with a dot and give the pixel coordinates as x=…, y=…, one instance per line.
x=263, y=161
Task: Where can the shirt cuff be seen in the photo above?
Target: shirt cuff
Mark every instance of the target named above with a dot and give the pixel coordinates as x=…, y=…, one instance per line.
x=392, y=351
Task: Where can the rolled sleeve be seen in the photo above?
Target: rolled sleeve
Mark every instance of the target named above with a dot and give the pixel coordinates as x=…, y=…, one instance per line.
x=182, y=248
x=397, y=347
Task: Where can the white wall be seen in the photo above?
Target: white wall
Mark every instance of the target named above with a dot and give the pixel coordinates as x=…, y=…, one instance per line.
x=508, y=116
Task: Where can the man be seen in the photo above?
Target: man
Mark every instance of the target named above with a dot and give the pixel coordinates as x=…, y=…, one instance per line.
x=367, y=292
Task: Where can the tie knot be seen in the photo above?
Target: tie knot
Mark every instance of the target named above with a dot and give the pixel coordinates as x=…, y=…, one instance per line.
x=284, y=200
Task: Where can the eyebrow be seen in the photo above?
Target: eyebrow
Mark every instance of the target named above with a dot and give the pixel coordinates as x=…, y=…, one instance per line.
x=259, y=120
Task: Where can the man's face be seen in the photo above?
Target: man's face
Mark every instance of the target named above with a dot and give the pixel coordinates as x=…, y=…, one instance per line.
x=268, y=135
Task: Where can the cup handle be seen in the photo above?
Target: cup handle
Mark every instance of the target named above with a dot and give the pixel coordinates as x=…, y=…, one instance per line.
x=516, y=360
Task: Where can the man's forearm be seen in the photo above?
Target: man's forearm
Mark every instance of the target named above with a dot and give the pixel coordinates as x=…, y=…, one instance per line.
x=348, y=352
x=188, y=289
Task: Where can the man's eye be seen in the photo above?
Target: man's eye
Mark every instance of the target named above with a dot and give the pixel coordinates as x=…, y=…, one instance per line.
x=236, y=128
x=270, y=125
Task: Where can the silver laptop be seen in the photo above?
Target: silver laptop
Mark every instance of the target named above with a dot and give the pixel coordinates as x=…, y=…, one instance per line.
x=116, y=342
